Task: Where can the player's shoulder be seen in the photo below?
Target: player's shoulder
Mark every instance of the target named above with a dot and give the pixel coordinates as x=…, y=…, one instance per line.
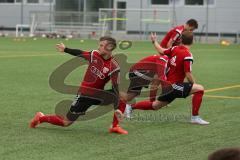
x=164, y=58
x=186, y=54
x=95, y=52
x=179, y=29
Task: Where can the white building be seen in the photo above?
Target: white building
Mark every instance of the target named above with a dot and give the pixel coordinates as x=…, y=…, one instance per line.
x=214, y=16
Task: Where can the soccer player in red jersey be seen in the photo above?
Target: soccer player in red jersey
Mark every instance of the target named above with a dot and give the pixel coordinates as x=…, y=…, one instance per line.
x=180, y=61
x=151, y=71
x=101, y=69
x=173, y=37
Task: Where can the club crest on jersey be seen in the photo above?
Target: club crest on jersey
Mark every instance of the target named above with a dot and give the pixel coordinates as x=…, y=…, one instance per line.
x=173, y=60
x=105, y=69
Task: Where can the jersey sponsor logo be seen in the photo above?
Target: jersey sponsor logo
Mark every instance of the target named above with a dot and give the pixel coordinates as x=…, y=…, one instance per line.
x=105, y=69
x=97, y=72
x=173, y=61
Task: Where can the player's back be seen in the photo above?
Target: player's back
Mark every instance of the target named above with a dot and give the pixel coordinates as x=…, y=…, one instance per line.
x=177, y=67
x=155, y=64
x=174, y=34
x=150, y=63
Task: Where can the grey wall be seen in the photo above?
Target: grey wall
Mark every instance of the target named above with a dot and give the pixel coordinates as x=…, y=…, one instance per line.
x=224, y=16
x=10, y=14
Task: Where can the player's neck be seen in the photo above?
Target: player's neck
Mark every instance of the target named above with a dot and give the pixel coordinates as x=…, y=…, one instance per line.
x=106, y=56
x=186, y=46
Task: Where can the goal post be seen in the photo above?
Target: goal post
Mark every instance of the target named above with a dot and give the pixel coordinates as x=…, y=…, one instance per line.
x=76, y=24
x=134, y=20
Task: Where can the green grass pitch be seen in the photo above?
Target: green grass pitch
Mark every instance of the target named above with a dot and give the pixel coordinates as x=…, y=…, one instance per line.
x=25, y=67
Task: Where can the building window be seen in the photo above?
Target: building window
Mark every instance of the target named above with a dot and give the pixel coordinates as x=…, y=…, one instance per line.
x=47, y=1
x=32, y=1
x=18, y=1
x=160, y=2
x=211, y=2
x=194, y=2
x=6, y=1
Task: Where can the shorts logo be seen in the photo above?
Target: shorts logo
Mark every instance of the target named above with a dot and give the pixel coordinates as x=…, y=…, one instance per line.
x=177, y=87
x=105, y=69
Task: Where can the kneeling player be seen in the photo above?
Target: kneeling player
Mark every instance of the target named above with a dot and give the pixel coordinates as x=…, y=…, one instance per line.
x=180, y=61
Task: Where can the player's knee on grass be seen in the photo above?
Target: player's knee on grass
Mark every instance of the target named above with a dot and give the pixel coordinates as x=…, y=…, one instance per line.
x=67, y=123
x=158, y=104
x=197, y=88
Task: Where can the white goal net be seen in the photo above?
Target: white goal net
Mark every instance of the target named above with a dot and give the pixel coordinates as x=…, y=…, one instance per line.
x=140, y=21
x=76, y=24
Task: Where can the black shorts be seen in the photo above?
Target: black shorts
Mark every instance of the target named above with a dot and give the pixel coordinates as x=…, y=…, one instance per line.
x=138, y=80
x=179, y=90
x=81, y=104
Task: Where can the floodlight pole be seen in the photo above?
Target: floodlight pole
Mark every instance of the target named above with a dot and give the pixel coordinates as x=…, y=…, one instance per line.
x=141, y=20
x=50, y=15
x=84, y=11
x=207, y=14
x=21, y=14
x=174, y=18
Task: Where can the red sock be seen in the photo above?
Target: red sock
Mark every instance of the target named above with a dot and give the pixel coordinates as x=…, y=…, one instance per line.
x=53, y=119
x=143, y=105
x=196, y=102
x=121, y=107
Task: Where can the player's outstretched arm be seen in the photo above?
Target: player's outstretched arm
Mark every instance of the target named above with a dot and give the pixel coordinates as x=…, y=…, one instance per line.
x=156, y=45
x=62, y=48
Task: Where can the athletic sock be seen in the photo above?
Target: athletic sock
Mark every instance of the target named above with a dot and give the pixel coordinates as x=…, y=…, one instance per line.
x=121, y=107
x=52, y=119
x=143, y=105
x=196, y=102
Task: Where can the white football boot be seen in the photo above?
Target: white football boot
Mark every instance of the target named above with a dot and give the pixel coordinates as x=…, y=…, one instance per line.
x=198, y=120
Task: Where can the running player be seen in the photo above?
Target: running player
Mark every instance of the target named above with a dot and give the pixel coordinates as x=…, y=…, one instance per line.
x=102, y=68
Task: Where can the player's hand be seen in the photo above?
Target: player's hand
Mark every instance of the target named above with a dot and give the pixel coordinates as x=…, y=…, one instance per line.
x=153, y=36
x=60, y=47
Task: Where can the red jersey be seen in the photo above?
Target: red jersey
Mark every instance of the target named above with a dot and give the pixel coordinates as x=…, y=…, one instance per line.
x=174, y=34
x=154, y=63
x=99, y=72
x=180, y=61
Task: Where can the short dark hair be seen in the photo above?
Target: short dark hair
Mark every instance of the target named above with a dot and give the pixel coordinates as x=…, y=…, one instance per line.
x=192, y=23
x=187, y=38
x=225, y=154
x=110, y=40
